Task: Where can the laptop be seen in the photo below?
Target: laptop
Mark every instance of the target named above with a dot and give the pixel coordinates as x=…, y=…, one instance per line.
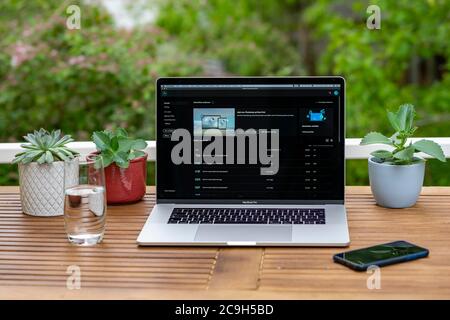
x=249, y=161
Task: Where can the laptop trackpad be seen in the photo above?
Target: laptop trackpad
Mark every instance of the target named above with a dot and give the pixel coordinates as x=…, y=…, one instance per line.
x=224, y=233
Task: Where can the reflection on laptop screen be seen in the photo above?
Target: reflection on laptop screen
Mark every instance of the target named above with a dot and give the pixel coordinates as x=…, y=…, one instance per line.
x=307, y=117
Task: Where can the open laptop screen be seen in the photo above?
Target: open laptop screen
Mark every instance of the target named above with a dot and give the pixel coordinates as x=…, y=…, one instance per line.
x=250, y=140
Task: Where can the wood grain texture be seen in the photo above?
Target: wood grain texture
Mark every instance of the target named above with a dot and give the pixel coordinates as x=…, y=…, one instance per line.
x=35, y=255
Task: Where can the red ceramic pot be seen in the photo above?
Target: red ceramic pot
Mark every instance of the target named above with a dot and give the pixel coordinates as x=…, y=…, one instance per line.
x=126, y=185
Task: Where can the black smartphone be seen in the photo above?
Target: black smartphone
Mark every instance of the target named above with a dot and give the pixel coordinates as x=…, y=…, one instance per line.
x=381, y=255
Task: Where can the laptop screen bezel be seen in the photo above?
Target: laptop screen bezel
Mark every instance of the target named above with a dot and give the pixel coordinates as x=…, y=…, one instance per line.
x=259, y=80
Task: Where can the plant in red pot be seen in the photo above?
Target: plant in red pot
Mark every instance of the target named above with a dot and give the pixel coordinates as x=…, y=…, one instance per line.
x=125, y=165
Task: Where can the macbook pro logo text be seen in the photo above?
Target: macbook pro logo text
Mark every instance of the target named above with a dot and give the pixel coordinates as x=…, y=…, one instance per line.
x=216, y=145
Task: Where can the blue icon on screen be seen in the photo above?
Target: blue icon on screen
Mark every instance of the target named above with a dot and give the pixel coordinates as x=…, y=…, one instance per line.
x=336, y=93
x=316, y=116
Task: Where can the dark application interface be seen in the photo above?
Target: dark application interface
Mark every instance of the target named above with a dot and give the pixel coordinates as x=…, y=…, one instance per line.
x=310, y=148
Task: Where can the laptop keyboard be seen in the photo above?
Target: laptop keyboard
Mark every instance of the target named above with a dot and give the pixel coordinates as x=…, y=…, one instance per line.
x=247, y=216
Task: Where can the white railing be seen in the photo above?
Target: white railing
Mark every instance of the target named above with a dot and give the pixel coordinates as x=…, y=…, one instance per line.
x=352, y=149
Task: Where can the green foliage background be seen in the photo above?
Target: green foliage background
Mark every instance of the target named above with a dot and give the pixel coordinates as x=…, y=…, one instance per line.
x=103, y=77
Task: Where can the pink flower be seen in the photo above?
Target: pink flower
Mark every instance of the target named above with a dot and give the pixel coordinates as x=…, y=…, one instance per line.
x=27, y=32
x=77, y=60
x=21, y=53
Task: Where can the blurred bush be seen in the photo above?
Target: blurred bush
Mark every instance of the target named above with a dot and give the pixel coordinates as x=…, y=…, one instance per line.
x=81, y=80
x=103, y=77
x=408, y=60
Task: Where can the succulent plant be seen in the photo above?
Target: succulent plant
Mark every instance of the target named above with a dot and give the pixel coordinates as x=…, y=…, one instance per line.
x=45, y=147
x=117, y=147
x=402, y=122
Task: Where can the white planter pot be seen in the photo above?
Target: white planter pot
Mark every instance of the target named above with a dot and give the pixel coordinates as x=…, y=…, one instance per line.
x=396, y=186
x=42, y=187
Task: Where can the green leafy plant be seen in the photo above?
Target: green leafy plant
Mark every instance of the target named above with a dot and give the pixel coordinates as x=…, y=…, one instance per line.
x=45, y=147
x=117, y=147
x=403, y=153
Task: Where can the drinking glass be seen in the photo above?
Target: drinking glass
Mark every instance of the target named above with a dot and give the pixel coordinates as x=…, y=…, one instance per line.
x=84, y=200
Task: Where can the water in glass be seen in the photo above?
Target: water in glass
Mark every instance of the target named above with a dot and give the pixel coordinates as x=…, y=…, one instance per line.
x=85, y=202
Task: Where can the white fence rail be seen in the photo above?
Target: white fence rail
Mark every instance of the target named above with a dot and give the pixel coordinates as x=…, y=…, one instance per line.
x=352, y=149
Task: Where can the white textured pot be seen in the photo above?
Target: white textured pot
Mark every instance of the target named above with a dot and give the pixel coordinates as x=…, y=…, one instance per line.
x=42, y=187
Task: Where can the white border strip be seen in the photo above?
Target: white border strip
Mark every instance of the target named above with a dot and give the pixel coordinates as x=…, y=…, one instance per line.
x=352, y=149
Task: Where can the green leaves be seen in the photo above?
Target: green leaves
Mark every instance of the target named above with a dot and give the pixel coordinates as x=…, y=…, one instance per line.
x=116, y=147
x=120, y=132
x=121, y=159
x=392, y=117
x=107, y=157
x=101, y=140
x=125, y=145
x=382, y=154
x=403, y=122
x=375, y=137
x=45, y=147
x=406, y=154
x=139, y=144
x=431, y=148
x=136, y=154
x=48, y=157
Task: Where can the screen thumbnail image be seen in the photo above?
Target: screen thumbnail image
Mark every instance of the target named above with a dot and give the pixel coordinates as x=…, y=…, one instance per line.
x=222, y=119
x=316, y=121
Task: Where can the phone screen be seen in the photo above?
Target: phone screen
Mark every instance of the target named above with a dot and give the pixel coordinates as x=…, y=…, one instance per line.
x=381, y=252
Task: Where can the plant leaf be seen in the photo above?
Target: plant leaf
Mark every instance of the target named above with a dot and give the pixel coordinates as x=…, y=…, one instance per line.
x=30, y=147
x=63, y=141
x=71, y=151
x=395, y=138
x=431, y=148
x=139, y=144
x=413, y=130
x=124, y=165
x=48, y=157
x=121, y=132
x=406, y=154
x=31, y=139
x=405, y=117
x=114, y=144
x=27, y=156
x=121, y=159
x=20, y=154
x=27, y=159
x=54, y=136
x=68, y=152
x=135, y=154
x=375, y=137
x=33, y=153
x=61, y=155
x=125, y=144
x=107, y=159
x=382, y=154
x=18, y=158
x=392, y=117
x=41, y=159
x=101, y=140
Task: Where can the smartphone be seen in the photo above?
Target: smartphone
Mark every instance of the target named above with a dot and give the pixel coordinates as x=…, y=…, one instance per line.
x=381, y=255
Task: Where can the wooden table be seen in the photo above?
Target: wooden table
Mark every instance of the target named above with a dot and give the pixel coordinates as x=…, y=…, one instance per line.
x=35, y=256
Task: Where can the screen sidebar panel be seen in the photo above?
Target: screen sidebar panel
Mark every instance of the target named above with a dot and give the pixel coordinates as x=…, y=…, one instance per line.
x=307, y=115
